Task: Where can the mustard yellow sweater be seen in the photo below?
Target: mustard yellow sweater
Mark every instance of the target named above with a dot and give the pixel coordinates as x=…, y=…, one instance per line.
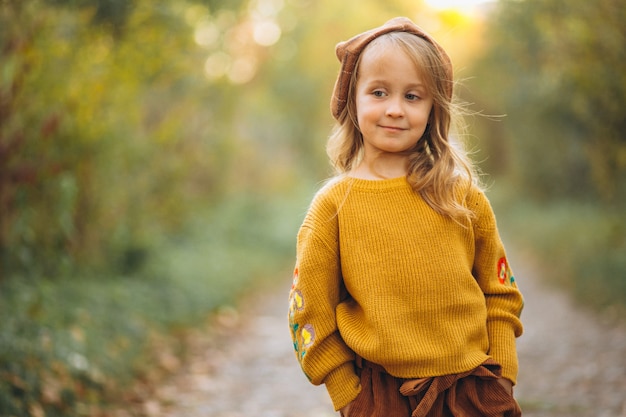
x=381, y=275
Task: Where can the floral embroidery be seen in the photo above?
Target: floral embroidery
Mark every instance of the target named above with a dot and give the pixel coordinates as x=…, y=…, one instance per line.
x=501, y=270
x=504, y=273
x=297, y=301
x=308, y=336
x=294, y=332
x=295, y=279
x=302, y=336
x=295, y=297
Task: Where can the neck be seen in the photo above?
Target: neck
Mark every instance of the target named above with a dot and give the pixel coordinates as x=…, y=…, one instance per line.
x=380, y=167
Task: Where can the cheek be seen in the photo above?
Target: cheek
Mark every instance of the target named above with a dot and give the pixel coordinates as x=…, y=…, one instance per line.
x=361, y=112
x=365, y=110
x=365, y=121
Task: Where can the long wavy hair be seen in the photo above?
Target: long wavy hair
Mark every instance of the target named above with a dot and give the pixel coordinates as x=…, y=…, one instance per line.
x=439, y=168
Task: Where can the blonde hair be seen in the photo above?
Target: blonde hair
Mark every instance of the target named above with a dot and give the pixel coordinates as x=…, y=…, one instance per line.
x=439, y=170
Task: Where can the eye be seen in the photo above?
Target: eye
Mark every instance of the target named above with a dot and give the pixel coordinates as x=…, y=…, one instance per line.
x=412, y=97
x=378, y=93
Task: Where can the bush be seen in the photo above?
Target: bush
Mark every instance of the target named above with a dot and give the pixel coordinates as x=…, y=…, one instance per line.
x=581, y=245
x=68, y=346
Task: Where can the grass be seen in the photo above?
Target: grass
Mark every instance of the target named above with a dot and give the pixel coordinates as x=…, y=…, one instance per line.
x=581, y=245
x=70, y=345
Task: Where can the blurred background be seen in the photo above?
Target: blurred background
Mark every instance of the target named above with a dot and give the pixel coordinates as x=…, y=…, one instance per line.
x=157, y=157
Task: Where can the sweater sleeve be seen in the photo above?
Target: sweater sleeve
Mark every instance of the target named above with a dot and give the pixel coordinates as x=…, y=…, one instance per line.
x=503, y=299
x=316, y=291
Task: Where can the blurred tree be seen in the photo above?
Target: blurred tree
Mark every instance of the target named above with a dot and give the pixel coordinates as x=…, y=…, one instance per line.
x=121, y=119
x=103, y=140
x=558, y=69
x=115, y=13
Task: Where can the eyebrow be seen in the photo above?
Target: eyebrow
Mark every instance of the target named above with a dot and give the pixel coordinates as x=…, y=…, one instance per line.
x=417, y=85
x=411, y=85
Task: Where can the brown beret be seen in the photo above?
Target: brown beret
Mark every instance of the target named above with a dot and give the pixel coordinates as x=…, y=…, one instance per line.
x=348, y=53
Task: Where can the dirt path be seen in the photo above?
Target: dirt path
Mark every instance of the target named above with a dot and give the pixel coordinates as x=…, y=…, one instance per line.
x=245, y=368
x=571, y=364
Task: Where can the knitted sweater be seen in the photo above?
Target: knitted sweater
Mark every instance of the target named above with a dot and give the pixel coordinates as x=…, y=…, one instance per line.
x=380, y=274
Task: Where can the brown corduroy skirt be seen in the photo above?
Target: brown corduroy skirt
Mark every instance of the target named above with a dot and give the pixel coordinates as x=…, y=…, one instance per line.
x=475, y=393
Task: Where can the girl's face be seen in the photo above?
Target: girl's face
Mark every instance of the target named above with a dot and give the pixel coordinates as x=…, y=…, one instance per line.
x=392, y=103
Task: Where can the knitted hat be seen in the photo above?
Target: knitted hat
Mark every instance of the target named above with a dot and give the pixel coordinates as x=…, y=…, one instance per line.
x=348, y=53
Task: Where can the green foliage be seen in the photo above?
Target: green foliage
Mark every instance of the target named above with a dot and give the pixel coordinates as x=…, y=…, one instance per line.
x=581, y=246
x=113, y=134
x=72, y=345
x=111, y=148
x=558, y=70
x=94, y=150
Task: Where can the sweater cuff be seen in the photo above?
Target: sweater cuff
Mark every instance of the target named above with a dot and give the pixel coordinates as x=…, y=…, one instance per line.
x=343, y=385
x=503, y=349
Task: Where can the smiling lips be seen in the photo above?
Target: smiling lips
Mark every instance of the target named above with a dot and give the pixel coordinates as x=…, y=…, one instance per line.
x=393, y=128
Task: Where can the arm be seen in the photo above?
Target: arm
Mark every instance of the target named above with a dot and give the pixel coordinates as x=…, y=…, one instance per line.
x=316, y=292
x=503, y=299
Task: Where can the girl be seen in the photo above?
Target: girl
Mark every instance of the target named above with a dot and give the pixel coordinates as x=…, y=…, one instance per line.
x=403, y=302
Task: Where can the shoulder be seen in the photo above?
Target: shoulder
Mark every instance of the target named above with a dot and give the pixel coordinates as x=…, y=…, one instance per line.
x=330, y=194
x=476, y=200
x=327, y=201
x=334, y=186
x=321, y=222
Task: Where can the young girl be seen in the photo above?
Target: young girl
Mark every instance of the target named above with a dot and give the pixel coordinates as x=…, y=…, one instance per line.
x=403, y=302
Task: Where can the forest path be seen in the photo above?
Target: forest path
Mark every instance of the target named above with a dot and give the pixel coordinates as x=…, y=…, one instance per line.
x=572, y=363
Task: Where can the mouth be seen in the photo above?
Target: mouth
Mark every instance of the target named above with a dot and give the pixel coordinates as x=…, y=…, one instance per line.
x=393, y=128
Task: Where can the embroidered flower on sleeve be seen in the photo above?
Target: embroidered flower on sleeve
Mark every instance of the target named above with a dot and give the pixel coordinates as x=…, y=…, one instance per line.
x=308, y=335
x=505, y=276
x=295, y=278
x=296, y=301
x=302, y=336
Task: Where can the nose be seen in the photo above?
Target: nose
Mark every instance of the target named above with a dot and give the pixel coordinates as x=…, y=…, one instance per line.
x=394, y=107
